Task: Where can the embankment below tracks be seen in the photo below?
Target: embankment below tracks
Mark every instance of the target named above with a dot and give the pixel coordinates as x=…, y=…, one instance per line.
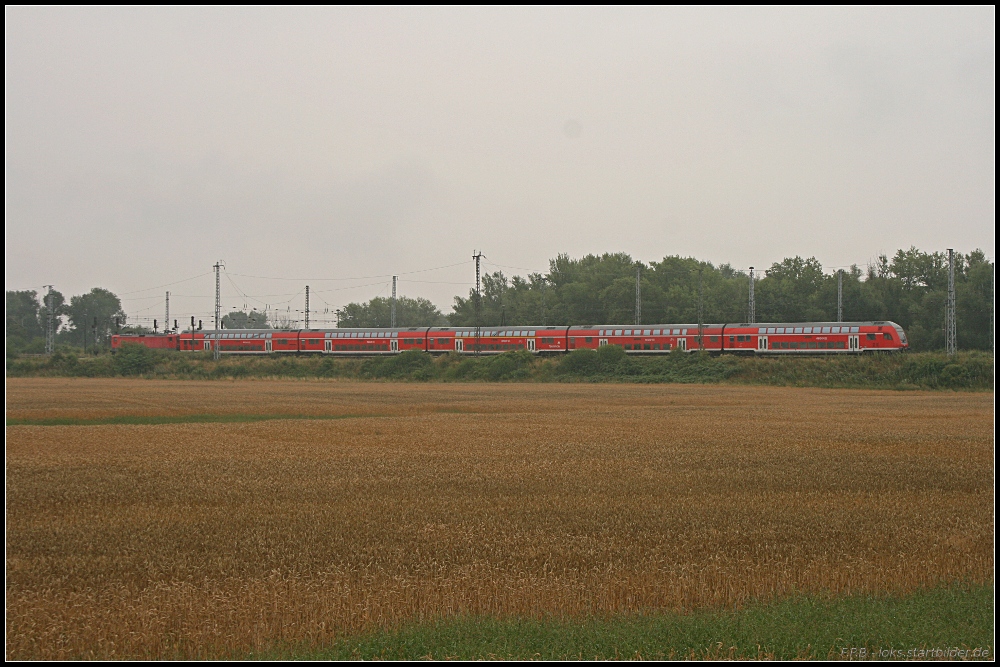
x=968, y=371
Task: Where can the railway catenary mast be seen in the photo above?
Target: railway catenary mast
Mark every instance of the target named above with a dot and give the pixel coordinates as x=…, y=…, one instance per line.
x=951, y=333
x=50, y=329
x=638, y=298
x=218, y=312
x=701, y=312
x=840, y=295
x=751, y=316
x=476, y=256
x=392, y=314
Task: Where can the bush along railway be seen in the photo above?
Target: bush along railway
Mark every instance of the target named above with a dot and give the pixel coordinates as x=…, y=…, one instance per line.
x=801, y=338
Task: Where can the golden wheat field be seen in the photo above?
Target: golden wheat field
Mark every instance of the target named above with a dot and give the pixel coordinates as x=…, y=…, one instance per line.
x=221, y=539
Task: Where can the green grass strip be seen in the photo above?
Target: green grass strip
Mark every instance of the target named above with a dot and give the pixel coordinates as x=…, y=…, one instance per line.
x=172, y=419
x=949, y=620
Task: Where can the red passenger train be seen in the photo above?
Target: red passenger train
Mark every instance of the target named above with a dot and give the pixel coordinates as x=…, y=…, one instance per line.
x=789, y=338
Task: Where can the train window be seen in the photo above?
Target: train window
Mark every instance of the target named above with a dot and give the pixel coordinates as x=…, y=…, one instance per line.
x=656, y=332
x=855, y=329
x=714, y=339
x=618, y=332
x=646, y=346
x=656, y=346
x=588, y=339
x=684, y=332
x=770, y=330
x=774, y=345
x=666, y=346
x=812, y=346
x=762, y=330
x=870, y=336
x=676, y=332
x=886, y=336
x=826, y=329
x=807, y=330
x=793, y=346
x=835, y=330
x=646, y=332
x=732, y=339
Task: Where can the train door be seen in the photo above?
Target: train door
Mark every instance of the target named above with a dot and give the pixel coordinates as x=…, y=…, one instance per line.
x=852, y=343
x=329, y=345
x=459, y=345
x=208, y=345
x=682, y=343
x=761, y=343
x=531, y=345
x=267, y=345
x=601, y=342
x=394, y=345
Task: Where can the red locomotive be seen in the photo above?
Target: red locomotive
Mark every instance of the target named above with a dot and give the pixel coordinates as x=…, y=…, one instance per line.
x=789, y=338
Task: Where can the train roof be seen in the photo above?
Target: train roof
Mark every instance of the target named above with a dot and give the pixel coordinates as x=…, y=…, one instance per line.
x=633, y=327
x=870, y=323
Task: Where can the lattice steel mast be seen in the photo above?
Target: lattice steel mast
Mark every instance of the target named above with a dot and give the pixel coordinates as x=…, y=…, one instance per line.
x=951, y=333
x=840, y=295
x=392, y=313
x=479, y=298
x=218, y=311
x=638, y=297
x=50, y=329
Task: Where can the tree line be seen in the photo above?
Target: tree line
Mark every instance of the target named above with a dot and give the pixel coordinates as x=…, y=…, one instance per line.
x=87, y=321
x=909, y=288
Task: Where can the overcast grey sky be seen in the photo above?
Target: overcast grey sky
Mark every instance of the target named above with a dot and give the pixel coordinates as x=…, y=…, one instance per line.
x=142, y=145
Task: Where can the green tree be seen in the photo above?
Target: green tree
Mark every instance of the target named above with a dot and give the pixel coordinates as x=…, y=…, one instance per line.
x=239, y=319
x=975, y=303
x=377, y=313
x=789, y=292
x=94, y=314
x=22, y=317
